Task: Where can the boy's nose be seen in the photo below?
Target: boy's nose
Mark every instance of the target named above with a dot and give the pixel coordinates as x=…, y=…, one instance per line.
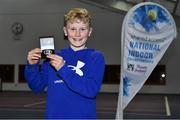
x=77, y=33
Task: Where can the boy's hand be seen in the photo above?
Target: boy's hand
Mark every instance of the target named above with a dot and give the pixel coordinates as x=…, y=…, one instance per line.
x=56, y=61
x=34, y=56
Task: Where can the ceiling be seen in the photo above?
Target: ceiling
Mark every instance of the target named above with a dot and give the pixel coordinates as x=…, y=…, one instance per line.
x=172, y=5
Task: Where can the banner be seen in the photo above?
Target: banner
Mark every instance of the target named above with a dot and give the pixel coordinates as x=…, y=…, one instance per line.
x=148, y=29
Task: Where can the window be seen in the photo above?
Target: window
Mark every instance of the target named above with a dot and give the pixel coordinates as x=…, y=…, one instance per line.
x=112, y=74
x=21, y=73
x=157, y=77
x=7, y=73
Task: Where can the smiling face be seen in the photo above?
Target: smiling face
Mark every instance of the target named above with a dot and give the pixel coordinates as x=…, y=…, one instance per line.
x=77, y=33
x=77, y=27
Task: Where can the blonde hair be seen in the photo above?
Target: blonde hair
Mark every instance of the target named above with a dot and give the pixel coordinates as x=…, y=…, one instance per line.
x=77, y=14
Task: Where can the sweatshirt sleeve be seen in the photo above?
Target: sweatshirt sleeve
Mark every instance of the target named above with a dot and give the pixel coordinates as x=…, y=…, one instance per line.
x=88, y=85
x=36, y=77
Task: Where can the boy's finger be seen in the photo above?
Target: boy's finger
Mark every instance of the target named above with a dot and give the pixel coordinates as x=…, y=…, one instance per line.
x=53, y=56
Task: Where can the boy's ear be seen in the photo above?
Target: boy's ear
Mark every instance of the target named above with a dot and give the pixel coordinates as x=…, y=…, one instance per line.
x=90, y=31
x=65, y=31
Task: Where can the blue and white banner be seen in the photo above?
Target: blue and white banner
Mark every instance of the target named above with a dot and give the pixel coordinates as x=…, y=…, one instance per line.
x=148, y=29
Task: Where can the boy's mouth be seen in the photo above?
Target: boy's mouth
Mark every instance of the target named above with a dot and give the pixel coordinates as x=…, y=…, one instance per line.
x=77, y=39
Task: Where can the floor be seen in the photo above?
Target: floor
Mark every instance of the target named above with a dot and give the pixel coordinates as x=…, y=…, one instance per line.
x=21, y=105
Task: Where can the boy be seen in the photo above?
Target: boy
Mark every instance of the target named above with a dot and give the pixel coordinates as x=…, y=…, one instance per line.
x=73, y=75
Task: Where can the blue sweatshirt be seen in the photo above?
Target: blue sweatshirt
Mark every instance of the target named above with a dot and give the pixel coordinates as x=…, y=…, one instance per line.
x=71, y=91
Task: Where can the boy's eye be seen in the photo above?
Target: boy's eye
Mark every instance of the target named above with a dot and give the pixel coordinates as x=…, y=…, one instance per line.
x=82, y=29
x=73, y=29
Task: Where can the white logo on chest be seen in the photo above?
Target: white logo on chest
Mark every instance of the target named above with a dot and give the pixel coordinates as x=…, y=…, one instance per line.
x=58, y=81
x=77, y=67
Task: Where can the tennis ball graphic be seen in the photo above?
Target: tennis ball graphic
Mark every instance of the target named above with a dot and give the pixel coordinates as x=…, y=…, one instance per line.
x=152, y=14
